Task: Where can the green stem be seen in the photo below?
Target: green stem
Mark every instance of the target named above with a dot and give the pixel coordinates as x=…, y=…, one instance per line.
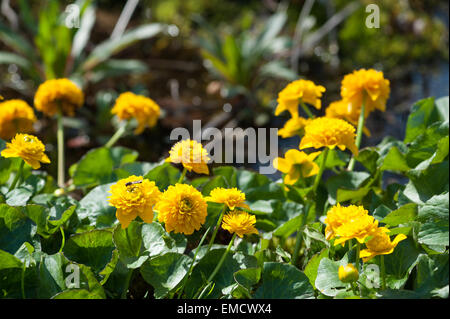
x=130, y=272
x=299, y=237
x=321, y=169
x=216, y=229
x=219, y=265
x=122, y=129
x=306, y=109
x=18, y=175
x=63, y=239
x=192, y=264
x=60, y=137
x=358, y=248
x=383, y=273
x=183, y=174
x=359, y=133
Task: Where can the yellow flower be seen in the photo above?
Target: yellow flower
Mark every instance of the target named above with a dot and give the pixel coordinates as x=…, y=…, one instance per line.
x=380, y=244
x=58, y=95
x=338, y=215
x=296, y=165
x=296, y=91
x=16, y=116
x=134, y=196
x=359, y=227
x=329, y=132
x=191, y=154
x=182, y=209
x=231, y=197
x=348, y=273
x=143, y=109
x=340, y=110
x=293, y=126
x=27, y=147
x=369, y=83
x=239, y=222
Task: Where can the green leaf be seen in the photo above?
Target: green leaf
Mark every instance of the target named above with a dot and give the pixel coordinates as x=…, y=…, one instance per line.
x=163, y=175
x=327, y=280
x=436, y=207
x=283, y=281
x=129, y=243
x=18, y=197
x=423, y=113
x=93, y=248
x=368, y=157
x=94, y=168
x=312, y=266
x=157, y=241
x=402, y=215
x=247, y=278
x=432, y=273
x=15, y=229
x=10, y=275
x=346, y=181
x=433, y=233
x=94, y=208
x=395, y=161
x=165, y=272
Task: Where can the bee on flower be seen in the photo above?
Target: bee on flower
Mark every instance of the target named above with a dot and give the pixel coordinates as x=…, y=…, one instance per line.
x=134, y=196
x=16, y=116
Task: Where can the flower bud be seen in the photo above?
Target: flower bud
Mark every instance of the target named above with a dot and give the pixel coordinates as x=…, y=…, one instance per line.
x=348, y=273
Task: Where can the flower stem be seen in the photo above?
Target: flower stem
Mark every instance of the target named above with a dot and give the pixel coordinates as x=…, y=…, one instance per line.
x=358, y=248
x=192, y=264
x=63, y=239
x=183, y=174
x=359, y=132
x=299, y=237
x=130, y=272
x=22, y=281
x=18, y=175
x=122, y=129
x=60, y=137
x=219, y=265
x=383, y=273
x=306, y=109
x=321, y=169
x=216, y=229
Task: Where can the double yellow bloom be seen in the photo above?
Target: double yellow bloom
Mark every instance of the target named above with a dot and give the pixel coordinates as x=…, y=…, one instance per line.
x=16, y=116
x=27, y=147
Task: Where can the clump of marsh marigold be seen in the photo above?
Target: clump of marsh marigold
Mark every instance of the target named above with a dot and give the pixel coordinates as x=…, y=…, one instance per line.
x=380, y=244
x=232, y=197
x=27, y=147
x=191, y=154
x=296, y=165
x=16, y=116
x=182, y=209
x=240, y=223
x=349, y=222
x=293, y=126
x=304, y=91
x=134, y=196
x=58, y=96
x=129, y=105
x=368, y=84
x=331, y=133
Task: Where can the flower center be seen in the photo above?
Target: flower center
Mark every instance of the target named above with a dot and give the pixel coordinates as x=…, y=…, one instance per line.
x=185, y=205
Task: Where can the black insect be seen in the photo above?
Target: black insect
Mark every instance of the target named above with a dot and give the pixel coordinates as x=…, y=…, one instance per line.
x=132, y=183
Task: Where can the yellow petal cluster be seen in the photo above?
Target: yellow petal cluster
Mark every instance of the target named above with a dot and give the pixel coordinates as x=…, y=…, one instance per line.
x=369, y=84
x=232, y=197
x=340, y=110
x=349, y=222
x=293, y=126
x=129, y=105
x=27, y=147
x=380, y=244
x=240, y=223
x=348, y=273
x=331, y=133
x=16, y=116
x=182, y=209
x=300, y=90
x=296, y=165
x=134, y=196
x=191, y=154
x=58, y=95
